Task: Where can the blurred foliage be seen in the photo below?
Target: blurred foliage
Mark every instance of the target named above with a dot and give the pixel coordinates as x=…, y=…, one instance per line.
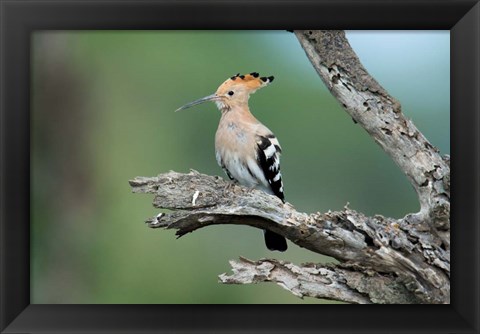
x=102, y=113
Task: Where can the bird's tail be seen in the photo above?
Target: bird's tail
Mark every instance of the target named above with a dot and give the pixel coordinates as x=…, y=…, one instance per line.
x=274, y=241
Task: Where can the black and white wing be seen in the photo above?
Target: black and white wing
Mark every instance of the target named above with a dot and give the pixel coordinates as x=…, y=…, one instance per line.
x=268, y=158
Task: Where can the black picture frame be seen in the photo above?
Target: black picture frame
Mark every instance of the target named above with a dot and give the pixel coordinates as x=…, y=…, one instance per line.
x=19, y=18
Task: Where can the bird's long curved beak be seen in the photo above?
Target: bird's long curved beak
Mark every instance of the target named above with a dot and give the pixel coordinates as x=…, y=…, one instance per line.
x=212, y=97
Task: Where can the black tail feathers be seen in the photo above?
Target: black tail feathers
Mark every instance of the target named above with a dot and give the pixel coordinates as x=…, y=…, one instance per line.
x=274, y=241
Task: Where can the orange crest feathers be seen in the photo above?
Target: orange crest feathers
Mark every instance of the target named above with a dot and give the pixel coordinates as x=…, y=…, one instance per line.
x=248, y=82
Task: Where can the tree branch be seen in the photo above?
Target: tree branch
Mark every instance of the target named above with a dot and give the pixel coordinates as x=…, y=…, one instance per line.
x=380, y=115
x=384, y=245
x=382, y=260
x=321, y=281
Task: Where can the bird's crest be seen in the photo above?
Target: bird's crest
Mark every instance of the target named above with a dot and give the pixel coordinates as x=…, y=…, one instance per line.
x=249, y=82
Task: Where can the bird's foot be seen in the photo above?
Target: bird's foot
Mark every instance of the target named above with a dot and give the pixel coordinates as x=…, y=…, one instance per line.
x=230, y=186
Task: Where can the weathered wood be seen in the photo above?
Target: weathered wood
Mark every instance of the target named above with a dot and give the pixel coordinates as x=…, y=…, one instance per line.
x=380, y=115
x=382, y=260
x=326, y=281
x=374, y=244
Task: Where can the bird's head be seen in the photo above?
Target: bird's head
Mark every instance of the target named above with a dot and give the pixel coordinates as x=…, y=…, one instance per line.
x=235, y=91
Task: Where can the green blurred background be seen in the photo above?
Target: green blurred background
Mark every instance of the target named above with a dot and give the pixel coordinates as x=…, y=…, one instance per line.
x=102, y=113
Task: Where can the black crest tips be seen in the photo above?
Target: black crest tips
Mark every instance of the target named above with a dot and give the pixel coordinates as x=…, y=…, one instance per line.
x=242, y=77
x=235, y=76
x=254, y=74
x=267, y=79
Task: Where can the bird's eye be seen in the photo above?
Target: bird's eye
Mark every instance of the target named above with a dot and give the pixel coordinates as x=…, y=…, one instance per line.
x=230, y=93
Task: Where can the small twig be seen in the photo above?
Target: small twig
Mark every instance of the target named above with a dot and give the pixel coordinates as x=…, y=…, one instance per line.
x=195, y=196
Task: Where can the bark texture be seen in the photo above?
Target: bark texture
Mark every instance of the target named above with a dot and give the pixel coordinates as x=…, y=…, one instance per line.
x=381, y=259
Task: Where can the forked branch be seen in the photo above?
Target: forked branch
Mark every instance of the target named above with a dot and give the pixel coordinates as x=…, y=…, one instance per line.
x=388, y=247
x=380, y=115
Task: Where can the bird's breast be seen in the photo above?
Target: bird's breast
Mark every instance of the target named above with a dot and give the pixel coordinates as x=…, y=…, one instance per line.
x=234, y=137
x=235, y=151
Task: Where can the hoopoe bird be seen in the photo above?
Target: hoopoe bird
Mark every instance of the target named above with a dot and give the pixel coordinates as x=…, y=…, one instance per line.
x=247, y=150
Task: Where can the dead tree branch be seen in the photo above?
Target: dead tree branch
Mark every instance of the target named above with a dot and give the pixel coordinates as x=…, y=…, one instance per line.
x=320, y=281
x=381, y=116
x=382, y=260
x=388, y=247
